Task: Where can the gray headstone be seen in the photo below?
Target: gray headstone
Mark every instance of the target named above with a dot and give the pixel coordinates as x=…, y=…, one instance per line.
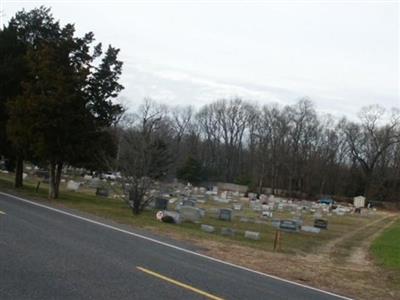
x=102, y=192
x=252, y=235
x=321, y=223
x=267, y=214
x=207, y=228
x=227, y=231
x=189, y=213
x=161, y=203
x=188, y=203
x=256, y=206
x=276, y=223
x=175, y=215
x=94, y=183
x=225, y=214
x=289, y=226
x=237, y=206
x=310, y=229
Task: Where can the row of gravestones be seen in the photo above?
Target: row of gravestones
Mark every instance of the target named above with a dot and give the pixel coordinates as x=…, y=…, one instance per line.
x=297, y=225
x=189, y=212
x=253, y=235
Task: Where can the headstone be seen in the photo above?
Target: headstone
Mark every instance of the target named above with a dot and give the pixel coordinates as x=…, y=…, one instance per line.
x=72, y=185
x=256, y=206
x=252, y=196
x=237, y=206
x=252, y=235
x=320, y=223
x=317, y=215
x=173, y=214
x=207, y=228
x=102, y=192
x=188, y=203
x=227, y=231
x=289, y=226
x=244, y=220
x=260, y=222
x=189, y=213
x=299, y=221
x=161, y=203
x=311, y=229
x=225, y=214
x=42, y=174
x=276, y=223
x=172, y=200
x=267, y=214
x=94, y=183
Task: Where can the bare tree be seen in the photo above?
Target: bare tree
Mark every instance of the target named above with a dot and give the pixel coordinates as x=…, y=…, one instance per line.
x=371, y=139
x=144, y=154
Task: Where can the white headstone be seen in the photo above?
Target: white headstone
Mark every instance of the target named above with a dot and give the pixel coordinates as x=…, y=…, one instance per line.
x=72, y=185
x=252, y=235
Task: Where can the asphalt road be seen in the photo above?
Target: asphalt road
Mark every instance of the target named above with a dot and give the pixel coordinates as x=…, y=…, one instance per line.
x=51, y=254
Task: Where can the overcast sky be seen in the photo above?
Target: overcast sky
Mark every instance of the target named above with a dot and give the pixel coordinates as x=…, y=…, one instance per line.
x=341, y=54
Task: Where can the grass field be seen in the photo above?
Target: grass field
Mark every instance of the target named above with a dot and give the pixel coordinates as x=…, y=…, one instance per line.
x=386, y=248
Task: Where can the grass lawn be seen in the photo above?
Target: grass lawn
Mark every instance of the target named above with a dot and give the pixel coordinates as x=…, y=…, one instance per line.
x=386, y=248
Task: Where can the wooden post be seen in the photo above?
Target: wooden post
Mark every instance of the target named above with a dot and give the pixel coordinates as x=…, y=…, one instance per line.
x=277, y=240
x=37, y=186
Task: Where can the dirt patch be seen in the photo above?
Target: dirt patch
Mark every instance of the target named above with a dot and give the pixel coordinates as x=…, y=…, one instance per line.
x=360, y=255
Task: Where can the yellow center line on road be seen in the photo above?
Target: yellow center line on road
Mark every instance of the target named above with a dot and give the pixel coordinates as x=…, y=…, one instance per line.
x=185, y=286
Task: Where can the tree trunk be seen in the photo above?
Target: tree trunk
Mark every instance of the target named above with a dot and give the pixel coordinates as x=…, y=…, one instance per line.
x=19, y=171
x=58, y=179
x=52, y=181
x=134, y=197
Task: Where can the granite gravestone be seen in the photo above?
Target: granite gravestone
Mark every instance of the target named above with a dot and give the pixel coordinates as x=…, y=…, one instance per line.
x=189, y=213
x=225, y=214
x=227, y=231
x=321, y=223
x=102, y=192
x=289, y=226
x=188, y=203
x=161, y=203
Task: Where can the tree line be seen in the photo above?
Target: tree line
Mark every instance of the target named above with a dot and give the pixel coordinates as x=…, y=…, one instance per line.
x=58, y=108
x=292, y=150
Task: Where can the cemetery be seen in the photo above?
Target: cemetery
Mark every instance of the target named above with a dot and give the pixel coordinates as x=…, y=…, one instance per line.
x=229, y=213
x=298, y=239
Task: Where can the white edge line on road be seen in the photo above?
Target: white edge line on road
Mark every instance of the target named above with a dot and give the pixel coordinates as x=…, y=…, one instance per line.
x=173, y=246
